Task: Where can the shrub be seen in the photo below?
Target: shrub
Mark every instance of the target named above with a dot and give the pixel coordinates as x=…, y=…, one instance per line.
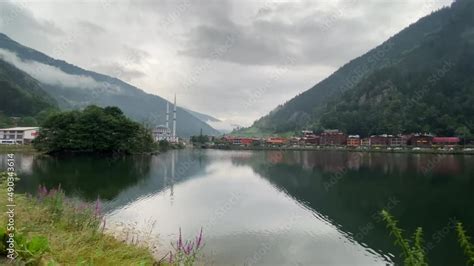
x=185, y=252
x=465, y=243
x=413, y=252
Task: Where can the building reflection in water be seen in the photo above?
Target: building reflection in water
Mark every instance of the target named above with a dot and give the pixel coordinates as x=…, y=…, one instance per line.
x=387, y=163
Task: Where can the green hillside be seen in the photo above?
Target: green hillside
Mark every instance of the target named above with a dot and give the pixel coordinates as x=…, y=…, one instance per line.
x=22, y=96
x=431, y=89
x=373, y=93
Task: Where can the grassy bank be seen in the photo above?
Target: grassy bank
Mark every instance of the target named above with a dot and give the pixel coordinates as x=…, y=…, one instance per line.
x=17, y=148
x=53, y=230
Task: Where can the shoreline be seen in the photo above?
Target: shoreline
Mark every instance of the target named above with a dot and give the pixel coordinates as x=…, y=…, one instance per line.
x=345, y=149
x=65, y=232
x=18, y=148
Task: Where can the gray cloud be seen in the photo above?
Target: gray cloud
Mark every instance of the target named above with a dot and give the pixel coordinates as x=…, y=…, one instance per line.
x=54, y=76
x=92, y=28
x=167, y=46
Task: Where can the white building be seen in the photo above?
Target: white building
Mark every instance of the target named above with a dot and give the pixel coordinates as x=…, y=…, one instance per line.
x=18, y=135
x=163, y=132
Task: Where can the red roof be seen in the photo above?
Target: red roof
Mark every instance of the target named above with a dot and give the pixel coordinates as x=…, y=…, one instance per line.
x=446, y=140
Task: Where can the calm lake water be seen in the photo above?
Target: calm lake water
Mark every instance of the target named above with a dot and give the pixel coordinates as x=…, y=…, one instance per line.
x=271, y=207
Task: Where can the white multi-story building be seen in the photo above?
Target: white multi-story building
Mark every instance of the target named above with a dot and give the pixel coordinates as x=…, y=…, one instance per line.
x=18, y=135
x=163, y=132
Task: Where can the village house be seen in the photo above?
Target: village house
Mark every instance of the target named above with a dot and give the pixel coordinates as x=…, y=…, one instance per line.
x=239, y=140
x=353, y=141
x=333, y=137
x=18, y=135
x=310, y=138
x=276, y=141
x=379, y=140
x=421, y=140
x=446, y=141
x=397, y=141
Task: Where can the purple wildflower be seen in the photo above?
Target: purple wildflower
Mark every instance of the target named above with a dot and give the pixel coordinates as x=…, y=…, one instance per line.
x=42, y=191
x=199, y=239
x=188, y=248
x=171, y=258
x=97, y=207
x=180, y=240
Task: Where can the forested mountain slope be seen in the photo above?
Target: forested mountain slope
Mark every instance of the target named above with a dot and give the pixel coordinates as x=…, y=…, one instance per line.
x=373, y=93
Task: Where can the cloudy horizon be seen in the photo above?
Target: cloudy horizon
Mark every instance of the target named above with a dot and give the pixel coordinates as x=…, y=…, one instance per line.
x=232, y=60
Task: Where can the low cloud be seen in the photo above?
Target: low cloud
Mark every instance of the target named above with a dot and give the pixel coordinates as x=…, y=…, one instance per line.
x=52, y=75
x=222, y=126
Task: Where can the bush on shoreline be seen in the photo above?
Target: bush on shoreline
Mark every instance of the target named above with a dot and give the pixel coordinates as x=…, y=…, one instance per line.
x=95, y=129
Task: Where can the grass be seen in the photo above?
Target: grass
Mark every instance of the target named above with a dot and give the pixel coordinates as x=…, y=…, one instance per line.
x=53, y=230
x=256, y=132
x=17, y=148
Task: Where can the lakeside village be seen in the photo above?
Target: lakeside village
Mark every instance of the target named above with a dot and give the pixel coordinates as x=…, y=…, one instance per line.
x=336, y=139
x=306, y=139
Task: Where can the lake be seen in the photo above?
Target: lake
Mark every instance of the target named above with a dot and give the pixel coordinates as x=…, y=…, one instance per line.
x=274, y=207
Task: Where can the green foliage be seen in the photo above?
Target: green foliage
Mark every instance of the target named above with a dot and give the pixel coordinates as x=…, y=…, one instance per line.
x=74, y=231
x=465, y=242
x=21, y=94
x=94, y=129
x=413, y=254
x=200, y=139
x=29, y=250
x=164, y=145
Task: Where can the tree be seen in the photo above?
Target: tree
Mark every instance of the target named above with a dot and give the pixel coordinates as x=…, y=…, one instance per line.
x=95, y=129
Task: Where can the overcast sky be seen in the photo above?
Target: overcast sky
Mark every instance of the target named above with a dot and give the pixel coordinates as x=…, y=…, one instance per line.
x=235, y=60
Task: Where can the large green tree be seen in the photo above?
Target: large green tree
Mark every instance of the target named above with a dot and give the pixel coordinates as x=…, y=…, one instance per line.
x=94, y=129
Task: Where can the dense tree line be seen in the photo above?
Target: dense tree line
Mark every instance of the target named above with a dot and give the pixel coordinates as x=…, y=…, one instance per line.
x=95, y=129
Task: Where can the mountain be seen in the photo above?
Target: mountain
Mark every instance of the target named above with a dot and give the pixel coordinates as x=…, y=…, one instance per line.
x=73, y=88
x=418, y=80
x=223, y=126
x=22, y=95
x=203, y=117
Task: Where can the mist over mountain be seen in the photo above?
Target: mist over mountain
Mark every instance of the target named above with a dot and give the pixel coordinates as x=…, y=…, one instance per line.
x=22, y=95
x=418, y=80
x=73, y=87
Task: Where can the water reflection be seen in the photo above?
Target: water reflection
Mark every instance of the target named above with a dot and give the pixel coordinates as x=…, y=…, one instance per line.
x=246, y=219
x=273, y=207
x=88, y=177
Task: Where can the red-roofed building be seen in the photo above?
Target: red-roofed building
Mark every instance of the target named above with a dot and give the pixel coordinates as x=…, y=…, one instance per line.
x=276, y=141
x=421, y=140
x=446, y=140
x=333, y=137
